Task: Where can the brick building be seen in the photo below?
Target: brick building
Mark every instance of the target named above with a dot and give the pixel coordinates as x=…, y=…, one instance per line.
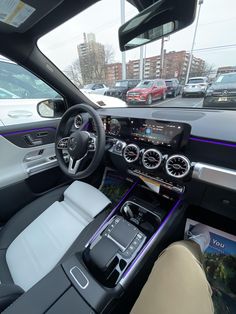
x=228, y=69
x=151, y=68
x=176, y=65
x=113, y=73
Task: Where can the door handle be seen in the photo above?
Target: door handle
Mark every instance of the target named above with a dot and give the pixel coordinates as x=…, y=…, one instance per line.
x=32, y=142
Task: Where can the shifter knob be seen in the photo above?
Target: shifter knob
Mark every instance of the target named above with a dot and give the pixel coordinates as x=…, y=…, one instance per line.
x=128, y=211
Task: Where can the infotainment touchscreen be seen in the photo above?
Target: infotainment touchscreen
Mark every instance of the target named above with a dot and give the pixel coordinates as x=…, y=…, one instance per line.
x=158, y=133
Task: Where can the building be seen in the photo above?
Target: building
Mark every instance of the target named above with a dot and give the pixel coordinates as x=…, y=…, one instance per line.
x=227, y=69
x=176, y=65
x=113, y=73
x=151, y=68
x=92, y=60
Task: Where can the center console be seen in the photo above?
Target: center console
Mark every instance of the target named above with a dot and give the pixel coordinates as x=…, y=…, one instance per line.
x=94, y=278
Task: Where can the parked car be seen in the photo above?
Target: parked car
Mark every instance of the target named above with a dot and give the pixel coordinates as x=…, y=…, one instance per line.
x=196, y=86
x=147, y=91
x=5, y=94
x=105, y=101
x=121, y=88
x=98, y=88
x=173, y=87
x=222, y=92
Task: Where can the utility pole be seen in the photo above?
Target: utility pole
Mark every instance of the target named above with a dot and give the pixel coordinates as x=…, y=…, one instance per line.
x=122, y=17
x=162, y=57
x=141, y=64
x=193, y=43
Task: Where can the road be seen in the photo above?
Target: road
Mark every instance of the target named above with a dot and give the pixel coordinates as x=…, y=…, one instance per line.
x=179, y=102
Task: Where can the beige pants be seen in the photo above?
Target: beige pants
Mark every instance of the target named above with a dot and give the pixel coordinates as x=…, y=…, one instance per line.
x=177, y=283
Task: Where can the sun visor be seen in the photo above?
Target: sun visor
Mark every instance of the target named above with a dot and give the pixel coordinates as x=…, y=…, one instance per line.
x=19, y=16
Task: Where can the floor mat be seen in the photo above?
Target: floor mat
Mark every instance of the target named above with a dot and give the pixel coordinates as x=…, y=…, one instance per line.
x=220, y=267
x=114, y=185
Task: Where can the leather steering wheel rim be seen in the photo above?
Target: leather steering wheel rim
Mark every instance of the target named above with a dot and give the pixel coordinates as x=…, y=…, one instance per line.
x=100, y=140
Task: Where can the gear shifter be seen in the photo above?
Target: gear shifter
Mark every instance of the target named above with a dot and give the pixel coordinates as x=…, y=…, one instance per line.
x=128, y=211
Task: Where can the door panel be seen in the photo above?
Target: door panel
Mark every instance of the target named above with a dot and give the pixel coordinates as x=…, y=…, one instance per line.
x=28, y=165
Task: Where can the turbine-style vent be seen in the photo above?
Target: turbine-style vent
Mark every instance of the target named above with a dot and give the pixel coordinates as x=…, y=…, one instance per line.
x=178, y=166
x=131, y=153
x=78, y=121
x=151, y=159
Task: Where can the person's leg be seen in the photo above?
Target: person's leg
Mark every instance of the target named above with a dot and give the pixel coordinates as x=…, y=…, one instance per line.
x=177, y=283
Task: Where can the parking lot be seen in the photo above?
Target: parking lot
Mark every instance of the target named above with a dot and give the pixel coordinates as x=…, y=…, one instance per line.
x=195, y=102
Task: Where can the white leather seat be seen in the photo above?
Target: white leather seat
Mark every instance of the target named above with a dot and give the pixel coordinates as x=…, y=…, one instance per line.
x=41, y=245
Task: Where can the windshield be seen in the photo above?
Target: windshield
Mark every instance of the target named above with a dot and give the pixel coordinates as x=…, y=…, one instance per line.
x=145, y=84
x=121, y=84
x=196, y=81
x=169, y=83
x=224, y=79
x=86, y=49
x=89, y=86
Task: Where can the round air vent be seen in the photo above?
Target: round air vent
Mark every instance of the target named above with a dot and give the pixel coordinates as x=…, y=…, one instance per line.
x=178, y=166
x=151, y=159
x=78, y=121
x=131, y=153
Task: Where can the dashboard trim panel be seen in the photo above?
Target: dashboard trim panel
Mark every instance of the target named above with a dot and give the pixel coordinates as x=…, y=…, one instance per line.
x=215, y=175
x=210, y=141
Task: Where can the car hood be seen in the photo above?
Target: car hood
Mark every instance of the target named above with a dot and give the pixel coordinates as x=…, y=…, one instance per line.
x=105, y=101
x=140, y=90
x=220, y=87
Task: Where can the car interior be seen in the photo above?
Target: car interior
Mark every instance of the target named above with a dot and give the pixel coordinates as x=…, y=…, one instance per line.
x=90, y=195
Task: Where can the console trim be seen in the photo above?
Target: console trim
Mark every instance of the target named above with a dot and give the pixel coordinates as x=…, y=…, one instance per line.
x=87, y=281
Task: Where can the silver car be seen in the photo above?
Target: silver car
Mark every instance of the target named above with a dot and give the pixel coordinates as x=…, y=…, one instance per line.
x=196, y=86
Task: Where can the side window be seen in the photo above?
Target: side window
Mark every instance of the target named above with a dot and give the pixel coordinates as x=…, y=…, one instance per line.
x=17, y=82
x=98, y=86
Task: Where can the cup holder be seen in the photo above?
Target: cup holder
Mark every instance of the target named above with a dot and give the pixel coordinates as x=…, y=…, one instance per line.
x=144, y=218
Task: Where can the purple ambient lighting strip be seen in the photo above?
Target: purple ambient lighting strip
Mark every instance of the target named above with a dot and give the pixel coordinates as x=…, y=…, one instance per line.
x=26, y=131
x=111, y=213
x=196, y=139
x=149, y=243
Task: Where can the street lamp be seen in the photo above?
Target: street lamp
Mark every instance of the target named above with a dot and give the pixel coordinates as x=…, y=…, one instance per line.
x=193, y=43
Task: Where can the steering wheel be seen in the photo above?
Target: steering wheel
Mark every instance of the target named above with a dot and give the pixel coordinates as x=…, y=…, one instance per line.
x=80, y=144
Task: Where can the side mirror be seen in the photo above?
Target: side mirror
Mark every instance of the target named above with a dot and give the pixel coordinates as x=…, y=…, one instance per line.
x=51, y=108
x=161, y=19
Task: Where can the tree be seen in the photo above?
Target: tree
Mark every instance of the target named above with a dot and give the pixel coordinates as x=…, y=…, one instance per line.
x=109, y=54
x=73, y=72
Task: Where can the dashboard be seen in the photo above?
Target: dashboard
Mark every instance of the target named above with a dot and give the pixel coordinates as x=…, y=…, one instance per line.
x=174, y=147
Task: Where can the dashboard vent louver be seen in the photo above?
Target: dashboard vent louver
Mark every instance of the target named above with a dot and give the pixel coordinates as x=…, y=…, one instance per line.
x=151, y=159
x=178, y=166
x=131, y=153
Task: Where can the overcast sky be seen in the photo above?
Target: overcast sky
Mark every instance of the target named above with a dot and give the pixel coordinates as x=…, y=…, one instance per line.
x=217, y=27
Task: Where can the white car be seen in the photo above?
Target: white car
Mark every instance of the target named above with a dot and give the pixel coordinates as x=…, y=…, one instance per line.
x=18, y=111
x=105, y=101
x=196, y=86
x=95, y=88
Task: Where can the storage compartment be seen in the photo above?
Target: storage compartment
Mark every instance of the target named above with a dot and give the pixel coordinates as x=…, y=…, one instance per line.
x=70, y=303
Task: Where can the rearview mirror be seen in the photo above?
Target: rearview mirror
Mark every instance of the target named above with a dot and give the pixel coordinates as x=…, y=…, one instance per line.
x=162, y=18
x=51, y=108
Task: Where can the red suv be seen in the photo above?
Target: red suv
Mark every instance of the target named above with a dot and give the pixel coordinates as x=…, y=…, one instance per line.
x=147, y=91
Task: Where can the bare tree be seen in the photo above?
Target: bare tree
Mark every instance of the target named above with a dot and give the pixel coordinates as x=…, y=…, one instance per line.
x=109, y=54
x=73, y=72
